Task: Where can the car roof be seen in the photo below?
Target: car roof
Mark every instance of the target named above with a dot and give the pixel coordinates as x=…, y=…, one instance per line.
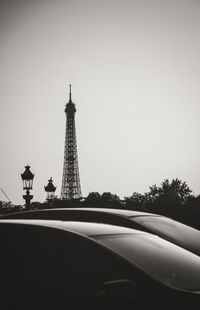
x=121, y=212
x=127, y=213
x=85, y=228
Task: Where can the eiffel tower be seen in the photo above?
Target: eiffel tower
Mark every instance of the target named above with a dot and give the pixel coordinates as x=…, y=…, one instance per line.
x=71, y=188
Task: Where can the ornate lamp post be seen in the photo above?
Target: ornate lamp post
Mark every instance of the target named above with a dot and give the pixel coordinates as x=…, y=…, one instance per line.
x=50, y=189
x=27, y=178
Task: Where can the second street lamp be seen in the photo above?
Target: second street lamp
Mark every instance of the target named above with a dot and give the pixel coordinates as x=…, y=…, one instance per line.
x=27, y=178
x=50, y=190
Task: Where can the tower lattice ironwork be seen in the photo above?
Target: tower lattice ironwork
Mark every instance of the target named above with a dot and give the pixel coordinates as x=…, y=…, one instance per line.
x=71, y=187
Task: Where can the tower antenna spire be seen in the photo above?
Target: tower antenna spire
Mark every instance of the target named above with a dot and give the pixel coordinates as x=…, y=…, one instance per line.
x=70, y=92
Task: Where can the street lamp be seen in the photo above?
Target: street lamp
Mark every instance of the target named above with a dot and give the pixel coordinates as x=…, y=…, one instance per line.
x=50, y=189
x=27, y=179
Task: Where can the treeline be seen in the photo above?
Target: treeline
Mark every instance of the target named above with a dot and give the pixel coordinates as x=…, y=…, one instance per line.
x=172, y=198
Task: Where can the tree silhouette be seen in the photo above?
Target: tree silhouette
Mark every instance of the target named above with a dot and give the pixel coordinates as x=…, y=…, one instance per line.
x=93, y=200
x=136, y=202
x=169, y=198
x=191, y=212
x=111, y=200
x=106, y=200
x=176, y=188
x=172, y=198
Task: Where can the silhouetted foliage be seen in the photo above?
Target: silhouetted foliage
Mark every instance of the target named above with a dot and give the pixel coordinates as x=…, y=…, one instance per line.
x=106, y=200
x=136, y=202
x=172, y=198
x=6, y=207
x=177, y=188
x=93, y=200
x=169, y=198
x=110, y=200
x=35, y=205
x=62, y=203
x=191, y=212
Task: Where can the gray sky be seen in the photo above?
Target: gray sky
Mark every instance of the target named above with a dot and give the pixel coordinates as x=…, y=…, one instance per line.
x=135, y=74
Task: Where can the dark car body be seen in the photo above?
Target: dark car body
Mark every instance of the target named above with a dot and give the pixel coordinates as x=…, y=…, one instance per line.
x=162, y=226
x=80, y=265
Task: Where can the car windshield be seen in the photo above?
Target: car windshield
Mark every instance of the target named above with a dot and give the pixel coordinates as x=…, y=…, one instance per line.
x=174, y=231
x=162, y=260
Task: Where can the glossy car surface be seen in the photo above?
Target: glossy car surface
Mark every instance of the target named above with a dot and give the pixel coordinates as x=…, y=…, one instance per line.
x=81, y=265
x=166, y=228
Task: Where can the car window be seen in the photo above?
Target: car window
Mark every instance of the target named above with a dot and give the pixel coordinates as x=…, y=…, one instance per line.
x=172, y=230
x=40, y=260
x=162, y=260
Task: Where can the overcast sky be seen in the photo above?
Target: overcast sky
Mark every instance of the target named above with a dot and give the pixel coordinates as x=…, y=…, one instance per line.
x=135, y=74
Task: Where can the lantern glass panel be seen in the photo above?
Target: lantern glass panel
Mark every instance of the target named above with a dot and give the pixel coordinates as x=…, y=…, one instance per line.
x=28, y=184
x=50, y=195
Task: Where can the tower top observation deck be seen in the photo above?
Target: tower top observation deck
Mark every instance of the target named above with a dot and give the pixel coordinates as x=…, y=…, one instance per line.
x=70, y=106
